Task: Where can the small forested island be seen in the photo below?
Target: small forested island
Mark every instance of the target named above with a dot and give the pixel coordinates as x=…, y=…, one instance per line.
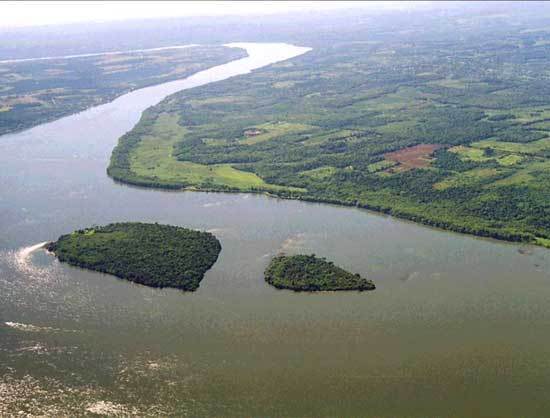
x=311, y=273
x=150, y=254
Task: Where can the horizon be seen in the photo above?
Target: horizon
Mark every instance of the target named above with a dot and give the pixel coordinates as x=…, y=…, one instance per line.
x=35, y=14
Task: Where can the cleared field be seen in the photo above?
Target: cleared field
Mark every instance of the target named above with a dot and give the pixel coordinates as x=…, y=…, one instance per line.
x=469, y=153
x=450, y=83
x=153, y=159
x=321, y=138
x=467, y=178
x=271, y=131
x=216, y=101
x=531, y=148
x=524, y=115
x=528, y=175
x=479, y=155
x=417, y=156
x=509, y=160
x=320, y=172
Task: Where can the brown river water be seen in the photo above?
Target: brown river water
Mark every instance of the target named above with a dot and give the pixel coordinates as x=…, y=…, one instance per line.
x=457, y=327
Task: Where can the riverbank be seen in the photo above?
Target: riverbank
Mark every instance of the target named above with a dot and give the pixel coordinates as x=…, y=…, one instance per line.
x=416, y=217
x=101, y=78
x=315, y=137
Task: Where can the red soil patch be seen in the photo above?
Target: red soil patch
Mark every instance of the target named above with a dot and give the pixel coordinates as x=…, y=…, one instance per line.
x=417, y=156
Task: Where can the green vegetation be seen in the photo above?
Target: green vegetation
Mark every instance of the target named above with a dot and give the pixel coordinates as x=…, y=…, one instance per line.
x=150, y=254
x=444, y=123
x=310, y=273
x=152, y=163
x=33, y=92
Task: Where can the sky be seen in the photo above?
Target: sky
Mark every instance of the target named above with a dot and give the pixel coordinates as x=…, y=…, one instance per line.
x=34, y=13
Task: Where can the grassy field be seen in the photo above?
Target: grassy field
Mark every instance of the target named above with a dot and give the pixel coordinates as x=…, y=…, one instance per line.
x=531, y=148
x=470, y=178
x=153, y=158
x=273, y=130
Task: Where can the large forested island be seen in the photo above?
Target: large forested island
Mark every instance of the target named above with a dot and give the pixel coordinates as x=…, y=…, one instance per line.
x=150, y=254
x=37, y=91
x=310, y=273
x=447, y=123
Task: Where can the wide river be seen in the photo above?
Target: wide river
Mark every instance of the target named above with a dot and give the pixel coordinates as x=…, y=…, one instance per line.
x=458, y=326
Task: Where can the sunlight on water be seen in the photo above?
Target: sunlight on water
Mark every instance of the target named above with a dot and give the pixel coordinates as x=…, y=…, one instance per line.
x=453, y=317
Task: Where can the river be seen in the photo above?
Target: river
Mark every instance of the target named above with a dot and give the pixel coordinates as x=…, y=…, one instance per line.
x=458, y=325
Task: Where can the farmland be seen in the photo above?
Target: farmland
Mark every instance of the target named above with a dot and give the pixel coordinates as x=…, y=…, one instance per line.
x=33, y=92
x=453, y=134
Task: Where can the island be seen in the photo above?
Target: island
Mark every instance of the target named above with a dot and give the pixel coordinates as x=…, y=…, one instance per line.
x=150, y=254
x=310, y=273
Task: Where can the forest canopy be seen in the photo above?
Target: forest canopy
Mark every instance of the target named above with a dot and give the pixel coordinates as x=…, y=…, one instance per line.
x=310, y=273
x=150, y=254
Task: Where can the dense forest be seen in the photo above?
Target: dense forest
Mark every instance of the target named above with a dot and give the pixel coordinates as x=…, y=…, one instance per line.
x=442, y=120
x=310, y=273
x=150, y=254
x=37, y=91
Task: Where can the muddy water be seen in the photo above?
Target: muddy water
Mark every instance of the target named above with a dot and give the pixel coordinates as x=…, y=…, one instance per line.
x=458, y=326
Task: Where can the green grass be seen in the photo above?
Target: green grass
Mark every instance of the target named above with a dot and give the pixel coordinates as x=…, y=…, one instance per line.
x=216, y=100
x=510, y=160
x=321, y=137
x=450, y=83
x=479, y=155
x=470, y=154
x=467, y=178
x=380, y=165
x=283, y=84
x=320, y=172
x=397, y=128
x=274, y=130
x=526, y=175
x=153, y=158
x=528, y=115
x=544, y=242
x=531, y=148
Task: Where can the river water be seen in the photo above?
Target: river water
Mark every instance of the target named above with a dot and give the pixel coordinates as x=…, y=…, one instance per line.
x=458, y=326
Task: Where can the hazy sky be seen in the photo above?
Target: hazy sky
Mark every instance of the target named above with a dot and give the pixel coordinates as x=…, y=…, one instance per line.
x=29, y=13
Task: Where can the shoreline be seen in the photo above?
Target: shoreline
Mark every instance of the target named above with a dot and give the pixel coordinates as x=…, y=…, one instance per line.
x=412, y=218
x=107, y=99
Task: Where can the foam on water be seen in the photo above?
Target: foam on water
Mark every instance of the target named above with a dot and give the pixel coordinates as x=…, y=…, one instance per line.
x=34, y=328
x=23, y=254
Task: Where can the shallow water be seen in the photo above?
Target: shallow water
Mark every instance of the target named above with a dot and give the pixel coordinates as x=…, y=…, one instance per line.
x=458, y=326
